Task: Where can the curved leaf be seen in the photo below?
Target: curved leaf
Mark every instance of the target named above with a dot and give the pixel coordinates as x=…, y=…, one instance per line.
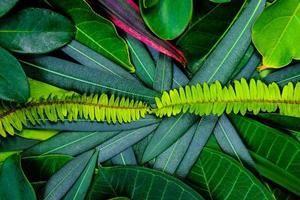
x=21, y=32
x=168, y=18
x=217, y=176
x=6, y=6
x=14, y=184
x=95, y=31
x=11, y=73
x=138, y=183
x=163, y=78
x=281, y=165
x=280, y=22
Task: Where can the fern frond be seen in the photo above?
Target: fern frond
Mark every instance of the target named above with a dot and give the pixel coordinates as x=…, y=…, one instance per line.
x=100, y=108
x=241, y=97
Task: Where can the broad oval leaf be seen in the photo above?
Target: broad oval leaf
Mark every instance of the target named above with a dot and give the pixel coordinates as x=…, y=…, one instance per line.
x=21, y=33
x=11, y=73
x=95, y=31
x=281, y=165
x=217, y=176
x=138, y=183
x=168, y=18
x=6, y=5
x=14, y=184
x=280, y=23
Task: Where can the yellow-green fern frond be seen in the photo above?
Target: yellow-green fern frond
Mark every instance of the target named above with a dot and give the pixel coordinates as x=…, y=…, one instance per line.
x=241, y=97
x=100, y=108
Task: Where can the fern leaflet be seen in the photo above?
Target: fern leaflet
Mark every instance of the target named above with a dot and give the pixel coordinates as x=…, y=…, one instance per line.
x=242, y=97
x=100, y=108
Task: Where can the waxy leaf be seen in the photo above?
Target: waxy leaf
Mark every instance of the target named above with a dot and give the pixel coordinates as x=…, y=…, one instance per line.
x=276, y=33
x=14, y=184
x=138, y=183
x=95, y=31
x=126, y=157
x=13, y=82
x=35, y=30
x=168, y=18
x=206, y=30
x=126, y=17
x=6, y=5
x=218, y=176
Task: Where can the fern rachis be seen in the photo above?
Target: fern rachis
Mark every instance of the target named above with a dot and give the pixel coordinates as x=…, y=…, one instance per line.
x=242, y=97
x=197, y=99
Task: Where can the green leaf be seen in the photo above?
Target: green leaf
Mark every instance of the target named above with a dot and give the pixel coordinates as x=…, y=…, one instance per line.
x=144, y=65
x=168, y=160
x=168, y=18
x=11, y=73
x=6, y=6
x=220, y=1
x=138, y=183
x=284, y=76
x=281, y=121
x=231, y=143
x=84, y=79
x=16, y=143
x=166, y=134
x=91, y=58
x=81, y=186
x=217, y=176
x=126, y=157
x=61, y=182
x=70, y=143
x=150, y=3
x=21, y=33
x=37, y=134
x=277, y=164
x=163, y=78
x=95, y=31
x=280, y=22
x=122, y=141
x=14, y=184
x=43, y=166
x=231, y=49
x=206, y=31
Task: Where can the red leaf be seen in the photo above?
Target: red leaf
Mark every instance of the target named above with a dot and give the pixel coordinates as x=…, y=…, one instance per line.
x=126, y=16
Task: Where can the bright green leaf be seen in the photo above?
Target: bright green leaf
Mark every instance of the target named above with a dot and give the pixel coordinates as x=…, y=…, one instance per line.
x=167, y=18
x=276, y=33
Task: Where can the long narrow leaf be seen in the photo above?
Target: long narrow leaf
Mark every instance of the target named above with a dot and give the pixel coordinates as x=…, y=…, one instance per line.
x=126, y=157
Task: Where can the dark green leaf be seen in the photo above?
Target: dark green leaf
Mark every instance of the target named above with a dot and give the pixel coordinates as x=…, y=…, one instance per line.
x=122, y=141
x=16, y=143
x=43, y=166
x=231, y=49
x=126, y=157
x=35, y=30
x=138, y=183
x=70, y=143
x=95, y=31
x=281, y=121
x=91, y=58
x=170, y=158
x=144, y=65
x=200, y=138
x=14, y=184
x=61, y=182
x=11, y=73
x=88, y=125
x=6, y=5
x=163, y=78
x=168, y=18
x=81, y=186
x=205, y=31
x=231, y=143
x=166, y=134
x=84, y=79
x=283, y=76
x=277, y=156
x=217, y=176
